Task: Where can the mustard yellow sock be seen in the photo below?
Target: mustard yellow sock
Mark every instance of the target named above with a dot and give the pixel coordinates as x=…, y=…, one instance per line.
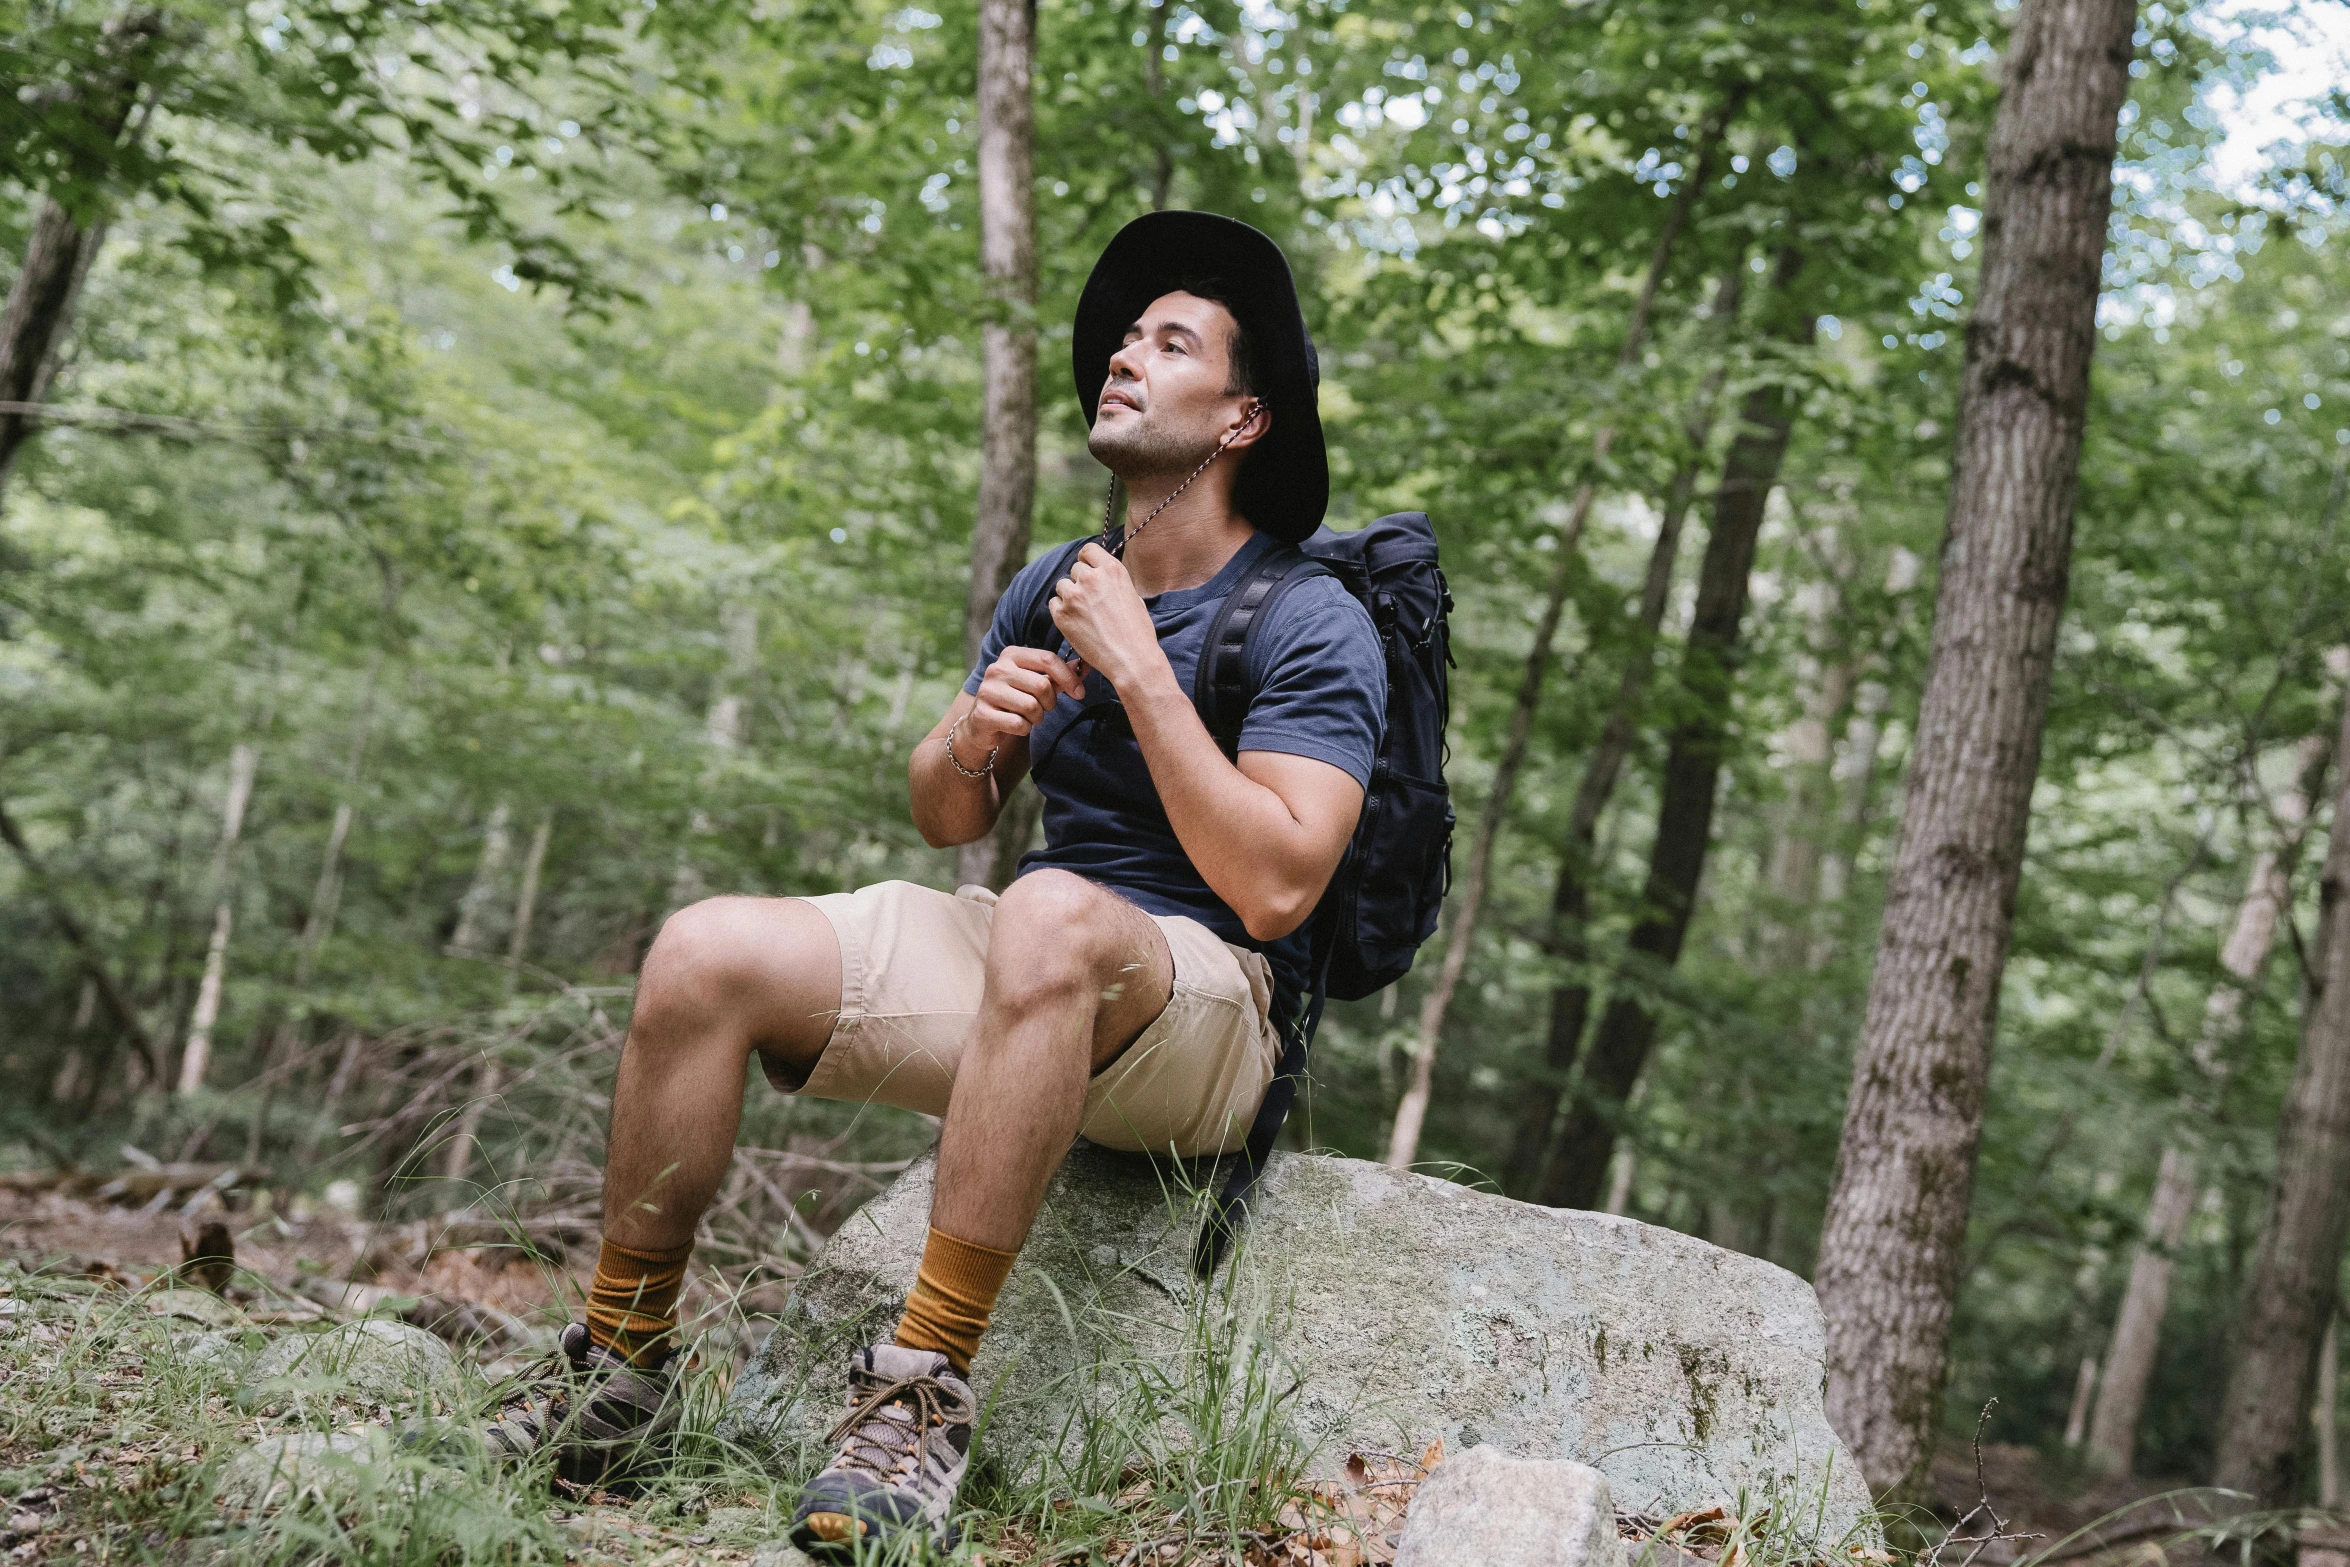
x=632, y=1305
x=954, y=1295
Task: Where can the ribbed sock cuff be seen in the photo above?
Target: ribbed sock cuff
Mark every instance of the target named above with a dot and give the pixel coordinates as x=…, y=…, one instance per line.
x=954, y=1295
x=632, y=1304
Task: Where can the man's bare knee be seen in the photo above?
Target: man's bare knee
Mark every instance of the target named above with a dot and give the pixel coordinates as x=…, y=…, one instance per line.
x=704, y=969
x=1059, y=940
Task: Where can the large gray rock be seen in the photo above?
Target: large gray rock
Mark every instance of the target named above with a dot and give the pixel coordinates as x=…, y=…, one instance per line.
x=1367, y=1310
x=1487, y=1508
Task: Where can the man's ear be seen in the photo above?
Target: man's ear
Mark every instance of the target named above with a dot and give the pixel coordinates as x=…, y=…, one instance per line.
x=1250, y=429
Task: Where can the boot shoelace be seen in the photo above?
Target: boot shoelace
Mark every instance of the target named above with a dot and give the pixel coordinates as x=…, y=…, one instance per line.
x=927, y=1400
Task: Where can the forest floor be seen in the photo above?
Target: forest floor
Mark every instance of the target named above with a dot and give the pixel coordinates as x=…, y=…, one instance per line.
x=118, y=1436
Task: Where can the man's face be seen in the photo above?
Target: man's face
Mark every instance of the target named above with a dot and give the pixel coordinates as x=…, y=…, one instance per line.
x=1164, y=406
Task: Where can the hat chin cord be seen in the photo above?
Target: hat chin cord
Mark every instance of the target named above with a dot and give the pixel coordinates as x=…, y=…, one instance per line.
x=1117, y=544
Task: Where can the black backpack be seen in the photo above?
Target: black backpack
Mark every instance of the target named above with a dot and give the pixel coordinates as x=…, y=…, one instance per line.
x=1382, y=903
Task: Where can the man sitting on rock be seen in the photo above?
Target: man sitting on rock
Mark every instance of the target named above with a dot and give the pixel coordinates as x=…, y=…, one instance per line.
x=1129, y=986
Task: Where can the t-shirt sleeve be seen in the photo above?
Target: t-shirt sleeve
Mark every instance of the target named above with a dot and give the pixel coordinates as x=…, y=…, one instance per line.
x=1005, y=629
x=1320, y=680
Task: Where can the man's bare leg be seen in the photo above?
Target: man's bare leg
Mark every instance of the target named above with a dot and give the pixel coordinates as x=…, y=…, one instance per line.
x=1074, y=975
x=726, y=976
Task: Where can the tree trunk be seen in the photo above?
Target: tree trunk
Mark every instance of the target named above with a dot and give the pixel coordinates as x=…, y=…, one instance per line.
x=473, y=911
x=2076, y=1418
x=1692, y=774
x=2137, y=1327
x=40, y=308
x=459, y=1160
x=2292, y=1296
x=1891, y=1245
x=1411, y=1112
x=2329, y=1397
x=196, y=1059
x=1007, y=258
x=63, y=244
x=1807, y=817
x=1570, y=899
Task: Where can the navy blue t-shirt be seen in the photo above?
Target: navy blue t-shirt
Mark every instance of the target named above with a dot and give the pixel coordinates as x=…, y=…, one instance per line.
x=1318, y=682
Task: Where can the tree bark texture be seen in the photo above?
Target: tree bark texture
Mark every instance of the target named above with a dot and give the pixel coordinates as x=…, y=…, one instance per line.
x=2292, y=1296
x=2137, y=1326
x=1411, y=1112
x=1890, y=1249
x=1692, y=775
x=2323, y=1416
x=196, y=1058
x=1570, y=899
x=1007, y=259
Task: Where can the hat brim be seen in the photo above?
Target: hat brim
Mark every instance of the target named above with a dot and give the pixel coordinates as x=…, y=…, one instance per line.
x=1284, y=487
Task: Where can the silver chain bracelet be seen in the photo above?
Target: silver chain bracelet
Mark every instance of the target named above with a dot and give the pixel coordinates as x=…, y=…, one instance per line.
x=956, y=762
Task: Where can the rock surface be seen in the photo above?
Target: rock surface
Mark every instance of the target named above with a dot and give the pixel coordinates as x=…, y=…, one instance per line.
x=1486, y=1508
x=376, y=1358
x=318, y=1465
x=1402, y=1308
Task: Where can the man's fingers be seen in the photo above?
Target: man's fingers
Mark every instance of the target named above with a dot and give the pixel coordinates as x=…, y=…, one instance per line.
x=1001, y=720
x=1041, y=671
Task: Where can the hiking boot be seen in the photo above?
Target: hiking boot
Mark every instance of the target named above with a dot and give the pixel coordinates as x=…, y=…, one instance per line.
x=599, y=1415
x=903, y=1445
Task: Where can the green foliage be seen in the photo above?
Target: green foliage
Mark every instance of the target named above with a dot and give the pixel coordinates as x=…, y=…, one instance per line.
x=682, y=576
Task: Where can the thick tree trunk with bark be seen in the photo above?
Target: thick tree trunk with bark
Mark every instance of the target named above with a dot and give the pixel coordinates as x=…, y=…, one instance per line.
x=1570, y=899
x=2137, y=1327
x=1891, y=1246
x=1411, y=1112
x=196, y=1058
x=1692, y=775
x=1007, y=258
x=2293, y=1293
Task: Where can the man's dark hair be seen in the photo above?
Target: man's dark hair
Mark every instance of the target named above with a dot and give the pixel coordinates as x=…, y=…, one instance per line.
x=1240, y=378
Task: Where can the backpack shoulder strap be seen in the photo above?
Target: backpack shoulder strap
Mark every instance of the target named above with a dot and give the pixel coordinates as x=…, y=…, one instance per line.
x=1220, y=689
x=1036, y=618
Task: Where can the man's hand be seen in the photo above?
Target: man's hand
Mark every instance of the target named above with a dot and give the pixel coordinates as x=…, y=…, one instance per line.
x=1015, y=693
x=1104, y=618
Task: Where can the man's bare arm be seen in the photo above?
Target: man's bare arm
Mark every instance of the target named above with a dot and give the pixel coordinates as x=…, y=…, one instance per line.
x=1266, y=834
x=1018, y=689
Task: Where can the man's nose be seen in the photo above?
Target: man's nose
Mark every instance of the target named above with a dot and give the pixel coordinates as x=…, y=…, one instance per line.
x=1126, y=363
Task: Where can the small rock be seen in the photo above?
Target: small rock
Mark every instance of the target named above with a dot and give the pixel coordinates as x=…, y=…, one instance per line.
x=215, y=1351
x=376, y=1358
x=734, y=1520
x=780, y=1553
x=192, y=1306
x=1486, y=1508
x=281, y=1470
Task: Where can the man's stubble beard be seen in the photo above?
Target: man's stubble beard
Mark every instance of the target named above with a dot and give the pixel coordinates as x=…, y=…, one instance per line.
x=1138, y=449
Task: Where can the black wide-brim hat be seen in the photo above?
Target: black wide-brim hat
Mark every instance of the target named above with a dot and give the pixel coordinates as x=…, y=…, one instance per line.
x=1284, y=484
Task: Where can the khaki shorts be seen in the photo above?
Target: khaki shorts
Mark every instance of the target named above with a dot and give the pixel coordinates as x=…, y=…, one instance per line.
x=913, y=963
